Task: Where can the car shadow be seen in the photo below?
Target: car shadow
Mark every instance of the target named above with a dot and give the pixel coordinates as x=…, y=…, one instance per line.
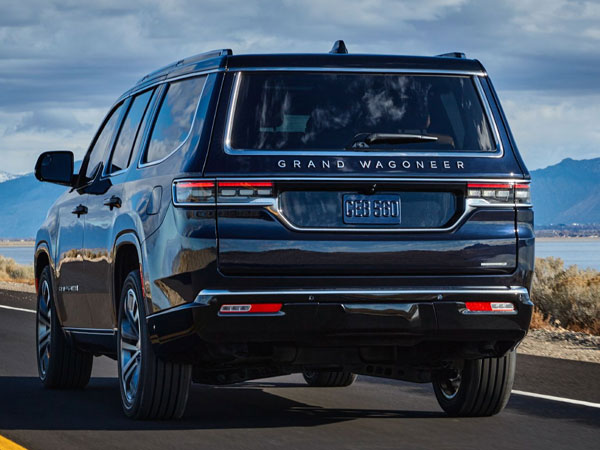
x=26, y=405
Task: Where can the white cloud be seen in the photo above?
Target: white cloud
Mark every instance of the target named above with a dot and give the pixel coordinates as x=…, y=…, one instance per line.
x=549, y=128
x=66, y=61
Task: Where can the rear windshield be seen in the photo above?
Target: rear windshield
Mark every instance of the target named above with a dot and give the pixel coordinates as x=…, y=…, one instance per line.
x=286, y=111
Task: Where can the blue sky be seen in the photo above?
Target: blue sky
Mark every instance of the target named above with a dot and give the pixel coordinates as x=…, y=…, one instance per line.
x=63, y=63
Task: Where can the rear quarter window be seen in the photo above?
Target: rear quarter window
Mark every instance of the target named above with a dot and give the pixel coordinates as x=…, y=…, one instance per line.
x=175, y=118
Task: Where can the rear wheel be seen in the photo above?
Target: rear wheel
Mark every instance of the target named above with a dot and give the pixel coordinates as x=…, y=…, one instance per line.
x=150, y=387
x=481, y=388
x=60, y=365
x=327, y=378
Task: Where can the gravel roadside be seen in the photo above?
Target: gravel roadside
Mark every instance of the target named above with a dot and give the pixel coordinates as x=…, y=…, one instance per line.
x=554, y=343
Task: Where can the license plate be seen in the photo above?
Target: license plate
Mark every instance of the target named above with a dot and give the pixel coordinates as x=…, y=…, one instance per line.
x=371, y=209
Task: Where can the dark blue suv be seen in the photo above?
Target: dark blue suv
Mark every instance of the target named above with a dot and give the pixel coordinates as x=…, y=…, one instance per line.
x=241, y=217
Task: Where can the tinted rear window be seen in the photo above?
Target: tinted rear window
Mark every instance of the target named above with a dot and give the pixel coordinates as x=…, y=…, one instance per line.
x=330, y=111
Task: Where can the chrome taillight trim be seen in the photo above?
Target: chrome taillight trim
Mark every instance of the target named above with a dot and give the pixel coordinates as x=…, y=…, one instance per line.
x=272, y=204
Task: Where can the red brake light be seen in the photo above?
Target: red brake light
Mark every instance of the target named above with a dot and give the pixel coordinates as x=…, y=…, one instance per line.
x=196, y=184
x=245, y=184
x=490, y=185
x=251, y=308
x=489, y=306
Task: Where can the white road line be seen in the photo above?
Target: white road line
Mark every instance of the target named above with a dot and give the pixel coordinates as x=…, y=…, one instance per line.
x=558, y=399
x=17, y=309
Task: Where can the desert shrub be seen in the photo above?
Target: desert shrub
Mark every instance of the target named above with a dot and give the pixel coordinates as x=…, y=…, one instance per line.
x=569, y=297
x=11, y=271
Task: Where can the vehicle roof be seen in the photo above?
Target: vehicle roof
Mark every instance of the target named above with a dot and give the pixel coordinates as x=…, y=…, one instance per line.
x=353, y=61
x=225, y=60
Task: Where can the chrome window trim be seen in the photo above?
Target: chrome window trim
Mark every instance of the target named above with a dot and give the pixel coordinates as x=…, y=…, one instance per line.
x=135, y=90
x=114, y=174
x=474, y=76
x=143, y=153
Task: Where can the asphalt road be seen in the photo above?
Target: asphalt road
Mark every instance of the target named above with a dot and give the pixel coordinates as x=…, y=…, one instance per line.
x=282, y=413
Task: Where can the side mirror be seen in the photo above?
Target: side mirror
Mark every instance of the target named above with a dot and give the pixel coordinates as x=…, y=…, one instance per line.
x=55, y=167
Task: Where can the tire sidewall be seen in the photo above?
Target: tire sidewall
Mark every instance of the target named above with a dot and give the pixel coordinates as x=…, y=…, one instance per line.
x=55, y=330
x=453, y=405
x=133, y=282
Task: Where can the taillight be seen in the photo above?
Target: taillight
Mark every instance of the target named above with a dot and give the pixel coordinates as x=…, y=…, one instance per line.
x=490, y=307
x=522, y=193
x=499, y=192
x=251, y=308
x=244, y=191
x=193, y=192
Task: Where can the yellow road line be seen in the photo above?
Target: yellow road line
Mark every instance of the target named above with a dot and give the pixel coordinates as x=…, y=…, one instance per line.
x=7, y=444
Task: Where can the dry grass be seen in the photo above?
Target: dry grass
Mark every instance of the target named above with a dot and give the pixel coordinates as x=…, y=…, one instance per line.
x=539, y=321
x=566, y=297
x=18, y=273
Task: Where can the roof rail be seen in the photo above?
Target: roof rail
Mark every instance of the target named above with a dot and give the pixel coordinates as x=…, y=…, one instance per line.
x=459, y=55
x=192, y=59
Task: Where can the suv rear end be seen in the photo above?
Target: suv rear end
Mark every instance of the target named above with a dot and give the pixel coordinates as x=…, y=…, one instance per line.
x=371, y=215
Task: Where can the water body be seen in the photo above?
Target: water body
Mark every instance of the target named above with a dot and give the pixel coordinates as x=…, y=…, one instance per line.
x=584, y=253
x=22, y=255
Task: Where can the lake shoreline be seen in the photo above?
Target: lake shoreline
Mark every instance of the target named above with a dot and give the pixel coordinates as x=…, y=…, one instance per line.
x=7, y=244
x=567, y=239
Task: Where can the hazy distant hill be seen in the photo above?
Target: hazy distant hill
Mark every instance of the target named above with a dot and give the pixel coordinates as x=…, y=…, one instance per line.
x=568, y=192
x=5, y=176
x=25, y=202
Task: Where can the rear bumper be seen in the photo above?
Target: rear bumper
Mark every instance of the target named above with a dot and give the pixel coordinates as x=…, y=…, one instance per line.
x=435, y=319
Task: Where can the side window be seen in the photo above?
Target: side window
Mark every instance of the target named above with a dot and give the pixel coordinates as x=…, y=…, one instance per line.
x=97, y=154
x=129, y=133
x=175, y=118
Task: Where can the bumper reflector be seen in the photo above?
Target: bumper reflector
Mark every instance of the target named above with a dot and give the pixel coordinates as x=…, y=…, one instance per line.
x=252, y=308
x=490, y=306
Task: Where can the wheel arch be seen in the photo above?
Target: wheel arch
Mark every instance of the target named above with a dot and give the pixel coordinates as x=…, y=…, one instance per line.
x=127, y=256
x=41, y=259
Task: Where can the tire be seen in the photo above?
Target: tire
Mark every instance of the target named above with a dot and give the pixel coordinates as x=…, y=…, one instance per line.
x=481, y=388
x=60, y=364
x=326, y=378
x=150, y=387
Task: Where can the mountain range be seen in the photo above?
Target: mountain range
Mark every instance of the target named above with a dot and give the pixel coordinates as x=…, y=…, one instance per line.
x=565, y=193
x=5, y=176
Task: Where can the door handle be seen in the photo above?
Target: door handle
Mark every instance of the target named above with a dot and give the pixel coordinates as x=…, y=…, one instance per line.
x=79, y=210
x=113, y=202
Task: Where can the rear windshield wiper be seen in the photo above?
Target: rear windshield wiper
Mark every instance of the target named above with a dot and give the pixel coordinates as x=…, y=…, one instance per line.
x=362, y=141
